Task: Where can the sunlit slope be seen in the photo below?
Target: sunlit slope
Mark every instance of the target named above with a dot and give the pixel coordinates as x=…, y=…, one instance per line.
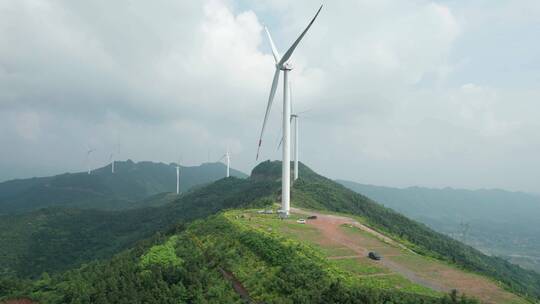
x=131, y=183
x=314, y=191
x=346, y=242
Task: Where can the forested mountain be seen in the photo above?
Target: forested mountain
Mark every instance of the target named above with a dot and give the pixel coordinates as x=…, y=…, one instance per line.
x=131, y=182
x=221, y=259
x=56, y=239
x=497, y=222
x=197, y=262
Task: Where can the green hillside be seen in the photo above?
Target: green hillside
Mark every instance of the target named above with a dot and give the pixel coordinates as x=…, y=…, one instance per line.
x=222, y=259
x=131, y=182
x=264, y=261
x=497, y=222
x=317, y=192
x=56, y=239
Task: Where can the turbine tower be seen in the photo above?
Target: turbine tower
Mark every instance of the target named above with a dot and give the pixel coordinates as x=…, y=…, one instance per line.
x=111, y=160
x=283, y=64
x=88, y=165
x=227, y=157
x=177, y=179
x=178, y=175
x=294, y=122
x=294, y=117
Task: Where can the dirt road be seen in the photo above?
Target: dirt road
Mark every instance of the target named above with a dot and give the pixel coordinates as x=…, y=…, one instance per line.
x=398, y=259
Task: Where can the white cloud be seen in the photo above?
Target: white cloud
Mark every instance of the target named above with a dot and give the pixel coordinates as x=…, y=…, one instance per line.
x=389, y=86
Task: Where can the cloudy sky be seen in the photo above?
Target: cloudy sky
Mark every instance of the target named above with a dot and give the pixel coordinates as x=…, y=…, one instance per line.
x=399, y=93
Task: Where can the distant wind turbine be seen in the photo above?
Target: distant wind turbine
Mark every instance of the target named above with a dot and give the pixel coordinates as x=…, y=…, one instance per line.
x=294, y=122
x=111, y=161
x=283, y=64
x=177, y=179
x=88, y=165
x=227, y=157
x=178, y=176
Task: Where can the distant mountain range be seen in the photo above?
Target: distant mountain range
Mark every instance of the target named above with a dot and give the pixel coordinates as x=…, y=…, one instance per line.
x=131, y=183
x=495, y=221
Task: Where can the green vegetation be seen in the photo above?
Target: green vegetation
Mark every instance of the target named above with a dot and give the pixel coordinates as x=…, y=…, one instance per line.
x=191, y=265
x=57, y=239
x=497, y=222
x=317, y=192
x=272, y=268
x=308, y=235
x=162, y=255
x=355, y=265
x=129, y=187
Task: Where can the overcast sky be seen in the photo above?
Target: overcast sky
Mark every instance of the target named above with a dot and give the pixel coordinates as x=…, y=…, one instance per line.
x=400, y=93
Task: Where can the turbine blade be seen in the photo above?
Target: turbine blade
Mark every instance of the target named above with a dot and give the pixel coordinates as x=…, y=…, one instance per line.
x=268, y=107
x=274, y=50
x=291, y=49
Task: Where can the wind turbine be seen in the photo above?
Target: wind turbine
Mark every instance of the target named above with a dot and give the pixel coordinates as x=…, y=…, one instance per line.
x=227, y=156
x=295, y=118
x=90, y=150
x=177, y=179
x=111, y=160
x=283, y=64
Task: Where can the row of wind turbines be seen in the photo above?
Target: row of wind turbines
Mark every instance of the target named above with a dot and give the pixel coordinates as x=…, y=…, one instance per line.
x=112, y=161
x=283, y=64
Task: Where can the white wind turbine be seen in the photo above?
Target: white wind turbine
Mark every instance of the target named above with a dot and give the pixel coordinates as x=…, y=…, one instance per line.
x=88, y=165
x=178, y=176
x=283, y=64
x=111, y=161
x=177, y=179
x=227, y=157
x=112, y=157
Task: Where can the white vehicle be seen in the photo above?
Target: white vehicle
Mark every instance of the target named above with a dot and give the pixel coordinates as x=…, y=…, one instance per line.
x=301, y=221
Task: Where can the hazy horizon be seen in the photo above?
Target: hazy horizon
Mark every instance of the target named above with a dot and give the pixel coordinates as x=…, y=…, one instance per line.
x=429, y=93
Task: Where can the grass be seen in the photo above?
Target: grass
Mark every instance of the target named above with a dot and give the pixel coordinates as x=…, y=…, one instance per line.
x=427, y=267
x=361, y=271
x=360, y=266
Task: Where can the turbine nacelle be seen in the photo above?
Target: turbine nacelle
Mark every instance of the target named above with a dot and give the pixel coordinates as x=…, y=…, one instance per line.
x=287, y=66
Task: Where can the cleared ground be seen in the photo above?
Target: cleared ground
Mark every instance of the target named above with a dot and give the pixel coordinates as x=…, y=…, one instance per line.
x=346, y=243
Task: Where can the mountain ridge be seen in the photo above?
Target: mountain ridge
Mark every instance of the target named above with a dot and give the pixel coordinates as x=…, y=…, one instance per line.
x=104, y=190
